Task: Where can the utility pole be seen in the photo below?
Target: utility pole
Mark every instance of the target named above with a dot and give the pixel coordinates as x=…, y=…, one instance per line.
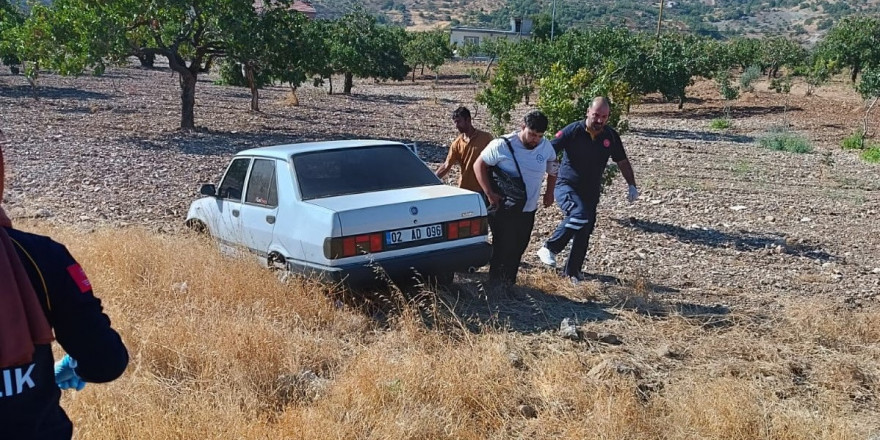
x=660, y=19
x=553, y=21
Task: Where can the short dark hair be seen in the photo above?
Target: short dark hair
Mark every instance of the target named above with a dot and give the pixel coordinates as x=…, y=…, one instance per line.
x=535, y=120
x=461, y=112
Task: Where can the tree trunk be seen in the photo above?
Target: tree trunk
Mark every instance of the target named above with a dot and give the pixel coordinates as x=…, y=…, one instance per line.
x=349, y=80
x=867, y=114
x=293, y=100
x=187, y=99
x=681, y=100
x=423, y=70
x=146, y=58
x=250, y=74
x=331, y=84
x=414, y=75
x=855, y=73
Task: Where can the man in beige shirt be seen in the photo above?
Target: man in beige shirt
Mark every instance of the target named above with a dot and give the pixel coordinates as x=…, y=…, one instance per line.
x=465, y=150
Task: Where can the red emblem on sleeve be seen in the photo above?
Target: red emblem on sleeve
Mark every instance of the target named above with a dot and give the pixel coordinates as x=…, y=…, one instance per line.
x=559, y=133
x=606, y=143
x=79, y=277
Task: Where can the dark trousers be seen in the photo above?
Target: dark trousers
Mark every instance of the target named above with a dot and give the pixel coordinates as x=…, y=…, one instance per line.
x=578, y=224
x=511, y=232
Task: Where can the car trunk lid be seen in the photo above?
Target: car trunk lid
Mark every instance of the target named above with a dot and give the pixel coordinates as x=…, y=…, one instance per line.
x=402, y=209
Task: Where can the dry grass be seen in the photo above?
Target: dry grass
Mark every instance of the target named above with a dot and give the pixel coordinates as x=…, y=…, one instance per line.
x=223, y=349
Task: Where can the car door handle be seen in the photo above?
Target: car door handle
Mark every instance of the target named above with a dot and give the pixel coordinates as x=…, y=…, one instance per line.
x=235, y=213
x=270, y=219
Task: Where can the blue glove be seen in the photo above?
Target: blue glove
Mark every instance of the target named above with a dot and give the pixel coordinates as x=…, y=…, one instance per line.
x=65, y=376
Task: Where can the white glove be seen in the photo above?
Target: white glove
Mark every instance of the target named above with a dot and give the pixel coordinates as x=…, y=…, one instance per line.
x=633, y=194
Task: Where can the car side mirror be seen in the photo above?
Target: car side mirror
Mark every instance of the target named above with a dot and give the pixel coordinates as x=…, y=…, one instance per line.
x=208, y=190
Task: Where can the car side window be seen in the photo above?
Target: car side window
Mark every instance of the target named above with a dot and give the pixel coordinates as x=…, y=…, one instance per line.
x=261, y=189
x=233, y=182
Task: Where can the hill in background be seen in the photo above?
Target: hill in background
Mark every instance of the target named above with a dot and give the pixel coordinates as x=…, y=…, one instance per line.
x=804, y=20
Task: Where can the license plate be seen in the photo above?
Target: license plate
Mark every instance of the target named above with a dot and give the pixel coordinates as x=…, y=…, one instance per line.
x=413, y=234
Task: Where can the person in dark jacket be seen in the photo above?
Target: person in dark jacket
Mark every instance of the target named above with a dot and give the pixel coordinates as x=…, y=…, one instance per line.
x=586, y=146
x=42, y=288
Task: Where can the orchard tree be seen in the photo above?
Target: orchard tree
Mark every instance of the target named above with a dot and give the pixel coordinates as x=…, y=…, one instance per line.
x=778, y=52
x=67, y=37
x=565, y=96
x=675, y=60
x=853, y=42
x=869, y=88
x=428, y=49
x=745, y=52
x=359, y=46
x=10, y=19
x=271, y=43
x=501, y=96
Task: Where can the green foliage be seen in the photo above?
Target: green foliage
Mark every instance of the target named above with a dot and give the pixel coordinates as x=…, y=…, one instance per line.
x=781, y=84
x=748, y=77
x=778, y=52
x=10, y=19
x=720, y=124
x=67, y=37
x=565, y=97
x=727, y=90
x=230, y=74
x=784, y=140
x=855, y=141
x=500, y=98
x=817, y=72
x=871, y=154
x=270, y=43
x=745, y=52
x=853, y=42
x=427, y=49
x=359, y=47
x=869, y=86
x=678, y=58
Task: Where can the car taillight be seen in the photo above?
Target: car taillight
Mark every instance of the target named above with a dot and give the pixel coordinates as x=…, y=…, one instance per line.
x=342, y=247
x=467, y=228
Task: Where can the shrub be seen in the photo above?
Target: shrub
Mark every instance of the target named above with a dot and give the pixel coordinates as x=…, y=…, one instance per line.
x=786, y=141
x=855, y=141
x=720, y=124
x=748, y=77
x=871, y=154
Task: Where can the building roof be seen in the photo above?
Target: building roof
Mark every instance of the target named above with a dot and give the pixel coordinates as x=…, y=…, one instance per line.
x=304, y=7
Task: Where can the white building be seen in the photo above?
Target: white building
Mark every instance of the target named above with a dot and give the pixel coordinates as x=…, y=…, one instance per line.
x=519, y=28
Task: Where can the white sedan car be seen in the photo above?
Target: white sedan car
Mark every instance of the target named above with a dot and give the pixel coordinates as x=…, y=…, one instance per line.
x=341, y=209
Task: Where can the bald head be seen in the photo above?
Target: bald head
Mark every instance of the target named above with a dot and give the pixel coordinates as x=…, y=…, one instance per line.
x=597, y=114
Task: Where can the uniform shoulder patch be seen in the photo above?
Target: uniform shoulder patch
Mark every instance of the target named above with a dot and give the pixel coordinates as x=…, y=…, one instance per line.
x=79, y=277
x=559, y=134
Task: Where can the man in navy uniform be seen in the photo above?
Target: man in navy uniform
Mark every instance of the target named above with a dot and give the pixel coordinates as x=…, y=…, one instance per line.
x=43, y=288
x=586, y=146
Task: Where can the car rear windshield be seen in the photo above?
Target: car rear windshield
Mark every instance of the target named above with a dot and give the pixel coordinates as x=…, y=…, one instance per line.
x=360, y=170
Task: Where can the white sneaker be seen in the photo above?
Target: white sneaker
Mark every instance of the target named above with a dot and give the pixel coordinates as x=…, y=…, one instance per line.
x=547, y=257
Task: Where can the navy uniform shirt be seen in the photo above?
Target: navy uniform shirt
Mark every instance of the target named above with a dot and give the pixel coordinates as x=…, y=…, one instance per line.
x=29, y=407
x=584, y=158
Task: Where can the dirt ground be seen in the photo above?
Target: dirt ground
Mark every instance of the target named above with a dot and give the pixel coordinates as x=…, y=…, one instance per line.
x=721, y=221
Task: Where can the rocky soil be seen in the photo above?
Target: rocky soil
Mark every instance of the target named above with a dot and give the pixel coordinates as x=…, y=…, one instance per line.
x=721, y=221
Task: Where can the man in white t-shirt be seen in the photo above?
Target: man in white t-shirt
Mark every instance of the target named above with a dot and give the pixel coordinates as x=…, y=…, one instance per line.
x=534, y=156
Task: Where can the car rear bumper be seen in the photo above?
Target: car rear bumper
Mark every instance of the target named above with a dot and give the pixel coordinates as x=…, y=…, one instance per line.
x=459, y=259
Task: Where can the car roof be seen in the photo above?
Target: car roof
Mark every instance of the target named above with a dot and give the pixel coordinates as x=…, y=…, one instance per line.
x=284, y=152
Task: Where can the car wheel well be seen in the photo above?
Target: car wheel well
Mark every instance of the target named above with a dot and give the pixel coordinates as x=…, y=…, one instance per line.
x=196, y=225
x=276, y=261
